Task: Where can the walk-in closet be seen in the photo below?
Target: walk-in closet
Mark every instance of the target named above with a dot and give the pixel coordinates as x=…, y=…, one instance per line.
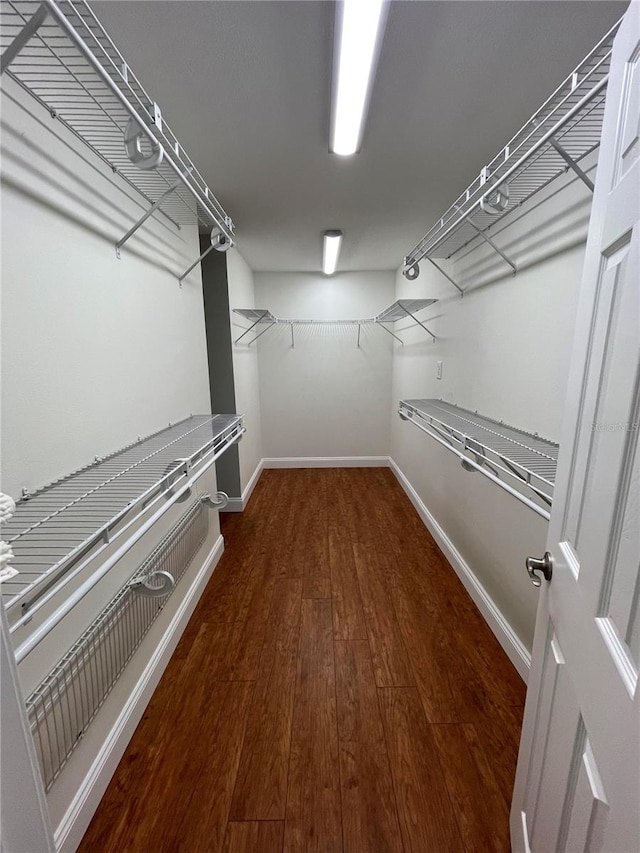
x=320, y=412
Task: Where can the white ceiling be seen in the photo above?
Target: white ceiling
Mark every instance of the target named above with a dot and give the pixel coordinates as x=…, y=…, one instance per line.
x=246, y=88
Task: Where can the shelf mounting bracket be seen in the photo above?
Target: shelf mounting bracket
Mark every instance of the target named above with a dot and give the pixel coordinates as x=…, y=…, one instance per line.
x=146, y=215
x=382, y=326
x=495, y=248
x=293, y=342
x=447, y=276
x=261, y=333
x=419, y=322
x=571, y=163
x=252, y=326
x=27, y=32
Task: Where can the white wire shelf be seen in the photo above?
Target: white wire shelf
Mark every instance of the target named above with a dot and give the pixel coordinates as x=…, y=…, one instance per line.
x=58, y=526
x=399, y=310
x=58, y=51
x=560, y=134
x=520, y=462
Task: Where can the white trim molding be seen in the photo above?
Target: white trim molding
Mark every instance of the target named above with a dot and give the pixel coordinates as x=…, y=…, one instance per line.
x=73, y=825
x=506, y=636
x=239, y=504
x=326, y=462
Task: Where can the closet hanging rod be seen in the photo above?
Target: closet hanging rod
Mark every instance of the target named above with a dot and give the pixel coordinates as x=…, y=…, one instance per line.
x=521, y=463
x=564, y=130
x=94, y=93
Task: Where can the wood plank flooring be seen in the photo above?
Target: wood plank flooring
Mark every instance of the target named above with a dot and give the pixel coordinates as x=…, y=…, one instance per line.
x=335, y=690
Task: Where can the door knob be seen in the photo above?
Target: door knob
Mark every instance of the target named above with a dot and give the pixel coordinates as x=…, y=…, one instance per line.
x=545, y=565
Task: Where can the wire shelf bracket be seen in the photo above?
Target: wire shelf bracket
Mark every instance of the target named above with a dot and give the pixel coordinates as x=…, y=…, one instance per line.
x=562, y=132
x=399, y=310
x=521, y=463
x=59, y=53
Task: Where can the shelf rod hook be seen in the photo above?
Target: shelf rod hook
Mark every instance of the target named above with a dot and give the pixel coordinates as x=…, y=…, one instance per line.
x=571, y=163
x=447, y=276
x=382, y=326
x=252, y=326
x=146, y=215
x=27, y=32
x=413, y=317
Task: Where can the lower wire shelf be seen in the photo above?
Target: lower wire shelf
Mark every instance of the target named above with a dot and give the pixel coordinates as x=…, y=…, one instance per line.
x=62, y=528
x=522, y=463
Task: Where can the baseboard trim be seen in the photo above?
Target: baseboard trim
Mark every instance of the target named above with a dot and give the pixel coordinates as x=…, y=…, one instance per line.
x=326, y=462
x=239, y=504
x=506, y=636
x=73, y=825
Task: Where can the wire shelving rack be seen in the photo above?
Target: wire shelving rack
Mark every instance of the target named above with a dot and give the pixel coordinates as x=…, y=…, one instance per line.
x=559, y=135
x=58, y=51
x=522, y=463
x=56, y=528
x=399, y=310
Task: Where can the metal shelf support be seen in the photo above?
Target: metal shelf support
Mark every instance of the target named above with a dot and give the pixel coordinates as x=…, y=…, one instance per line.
x=252, y=326
x=155, y=206
x=447, y=276
x=26, y=33
x=413, y=317
x=571, y=163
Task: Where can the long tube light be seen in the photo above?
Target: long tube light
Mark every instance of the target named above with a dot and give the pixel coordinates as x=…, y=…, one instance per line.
x=331, y=250
x=359, y=28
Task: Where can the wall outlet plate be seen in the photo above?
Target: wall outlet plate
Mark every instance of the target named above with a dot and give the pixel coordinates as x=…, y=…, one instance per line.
x=439, y=370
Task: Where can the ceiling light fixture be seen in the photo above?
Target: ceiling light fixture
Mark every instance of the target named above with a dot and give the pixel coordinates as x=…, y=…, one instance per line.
x=359, y=28
x=331, y=250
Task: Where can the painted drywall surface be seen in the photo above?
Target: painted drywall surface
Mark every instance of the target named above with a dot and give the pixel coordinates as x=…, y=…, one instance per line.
x=240, y=279
x=95, y=351
x=325, y=396
x=505, y=350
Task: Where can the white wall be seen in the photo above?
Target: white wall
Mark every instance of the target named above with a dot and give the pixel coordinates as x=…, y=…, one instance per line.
x=505, y=349
x=245, y=367
x=95, y=350
x=325, y=397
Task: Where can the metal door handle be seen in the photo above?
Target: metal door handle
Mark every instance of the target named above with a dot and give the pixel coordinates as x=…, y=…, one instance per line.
x=545, y=565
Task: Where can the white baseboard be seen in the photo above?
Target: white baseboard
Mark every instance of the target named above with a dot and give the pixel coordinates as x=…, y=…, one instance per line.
x=508, y=639
x=239, y=504
x=73, y=825
x=326, y=462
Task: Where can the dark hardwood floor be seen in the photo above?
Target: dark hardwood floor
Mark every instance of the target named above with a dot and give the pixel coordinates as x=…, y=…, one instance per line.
x=335, y=690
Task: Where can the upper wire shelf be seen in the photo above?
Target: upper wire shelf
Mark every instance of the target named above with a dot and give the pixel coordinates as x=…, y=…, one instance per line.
x=58, y=51
x=522, y=463
x=560, y=134
x=399, y=310
x=54, y=528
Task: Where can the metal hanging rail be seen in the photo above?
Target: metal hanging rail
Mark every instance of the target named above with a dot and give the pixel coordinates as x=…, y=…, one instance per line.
x=556, y=138
x=520, y=463
x=399, y=310
x=58, y=51
x=58, y=531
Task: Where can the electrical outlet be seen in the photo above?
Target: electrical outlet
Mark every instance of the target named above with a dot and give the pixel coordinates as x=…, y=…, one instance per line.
x=439, y=370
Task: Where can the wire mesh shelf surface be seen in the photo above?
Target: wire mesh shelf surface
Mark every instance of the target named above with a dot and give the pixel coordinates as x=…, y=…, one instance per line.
x=58, y=525
x=525, y=458
x=570, y=121
x=399, y=310
x=71, y=66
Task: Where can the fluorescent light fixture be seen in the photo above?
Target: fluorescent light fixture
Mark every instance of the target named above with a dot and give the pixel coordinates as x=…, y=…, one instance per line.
x=359, y=27
x=331, y=250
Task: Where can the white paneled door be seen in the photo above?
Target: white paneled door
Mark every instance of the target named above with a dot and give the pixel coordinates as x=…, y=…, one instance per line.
x=578, y=779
